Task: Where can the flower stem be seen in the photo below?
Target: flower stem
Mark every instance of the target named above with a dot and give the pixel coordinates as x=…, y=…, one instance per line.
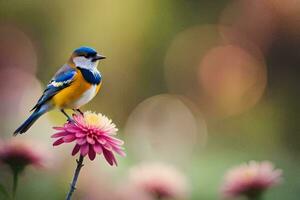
x=15, y=183
x=258, y=197
x=75, y=177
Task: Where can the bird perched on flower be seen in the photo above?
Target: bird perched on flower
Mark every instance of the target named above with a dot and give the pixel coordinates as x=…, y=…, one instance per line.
x=74, y=84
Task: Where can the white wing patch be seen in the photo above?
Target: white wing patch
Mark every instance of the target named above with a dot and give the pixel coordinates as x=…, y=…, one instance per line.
x=58, y=84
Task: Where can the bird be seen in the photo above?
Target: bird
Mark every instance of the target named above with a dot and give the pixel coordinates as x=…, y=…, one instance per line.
x=75, y=84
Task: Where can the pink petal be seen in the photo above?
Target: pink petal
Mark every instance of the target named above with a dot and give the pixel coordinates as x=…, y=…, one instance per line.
x=97, y=147
x=90, y=140
x=92, y=153
x=77, y=117
x=114, y=140
x=74, y=130
x=59, y=128
x=58, y=142
x=80, y=134
x=81, y=141
x=101, y=140
x=82, y=128
x=109, y=157
x=114, y=159
x=76, y=149
x=59, y=134
x=71, y=128
x=107, y=146
x=79, y=120
x=119, y=151
x=84, y=149
x=69, y=138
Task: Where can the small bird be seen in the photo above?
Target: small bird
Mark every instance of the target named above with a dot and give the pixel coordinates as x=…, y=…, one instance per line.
x=74, y=84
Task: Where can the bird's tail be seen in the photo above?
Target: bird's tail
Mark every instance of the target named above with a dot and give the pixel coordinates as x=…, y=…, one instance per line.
x=31, y=119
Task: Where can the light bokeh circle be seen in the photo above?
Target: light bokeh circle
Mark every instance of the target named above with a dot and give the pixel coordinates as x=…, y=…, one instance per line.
x=217, y=67
x=232, y=79
x=164, y=127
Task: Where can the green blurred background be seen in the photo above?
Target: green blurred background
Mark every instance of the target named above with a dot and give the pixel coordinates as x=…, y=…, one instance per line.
x=202, y=85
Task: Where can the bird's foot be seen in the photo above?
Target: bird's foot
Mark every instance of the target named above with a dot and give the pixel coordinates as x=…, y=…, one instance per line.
x=78, y=110
x=70, y=120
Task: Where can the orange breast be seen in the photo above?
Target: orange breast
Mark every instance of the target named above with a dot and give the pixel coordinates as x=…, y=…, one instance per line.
x=67, y=97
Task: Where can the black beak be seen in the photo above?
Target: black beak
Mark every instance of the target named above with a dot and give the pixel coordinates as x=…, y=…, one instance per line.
x=98, y=57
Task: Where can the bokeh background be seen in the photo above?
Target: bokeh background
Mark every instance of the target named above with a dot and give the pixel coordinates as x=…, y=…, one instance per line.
x=201, y=85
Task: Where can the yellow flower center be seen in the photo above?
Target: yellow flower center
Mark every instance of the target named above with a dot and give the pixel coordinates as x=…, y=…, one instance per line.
x=249, y=175
x=92, y=119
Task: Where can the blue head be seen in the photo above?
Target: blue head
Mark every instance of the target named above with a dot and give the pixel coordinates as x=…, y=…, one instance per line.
x=86, y=57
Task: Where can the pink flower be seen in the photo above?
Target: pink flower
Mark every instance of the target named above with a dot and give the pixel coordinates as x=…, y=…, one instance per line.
x=159, y=181
x=250, y=180
x=17, y=155
x=92, y=134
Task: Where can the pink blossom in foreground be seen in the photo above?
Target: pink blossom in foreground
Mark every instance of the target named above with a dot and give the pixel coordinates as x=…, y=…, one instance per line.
x=250, y=180
x=17, y=155
x=159, y=181
x=93, y=134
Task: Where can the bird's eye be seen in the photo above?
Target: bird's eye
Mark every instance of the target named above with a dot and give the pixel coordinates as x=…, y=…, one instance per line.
x=90, y=55
x=81, y=55
x=87, y=56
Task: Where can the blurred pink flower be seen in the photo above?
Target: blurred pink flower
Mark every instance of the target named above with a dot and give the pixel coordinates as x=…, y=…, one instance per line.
x=93, y=135
x=17, y=155
x=250, y=180
x=159, y=181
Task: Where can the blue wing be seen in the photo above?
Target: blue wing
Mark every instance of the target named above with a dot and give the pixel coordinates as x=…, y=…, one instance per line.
x=62, y=79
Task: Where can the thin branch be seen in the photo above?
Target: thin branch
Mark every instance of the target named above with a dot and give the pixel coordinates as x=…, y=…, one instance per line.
x=75, y=177
x=15, y=183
